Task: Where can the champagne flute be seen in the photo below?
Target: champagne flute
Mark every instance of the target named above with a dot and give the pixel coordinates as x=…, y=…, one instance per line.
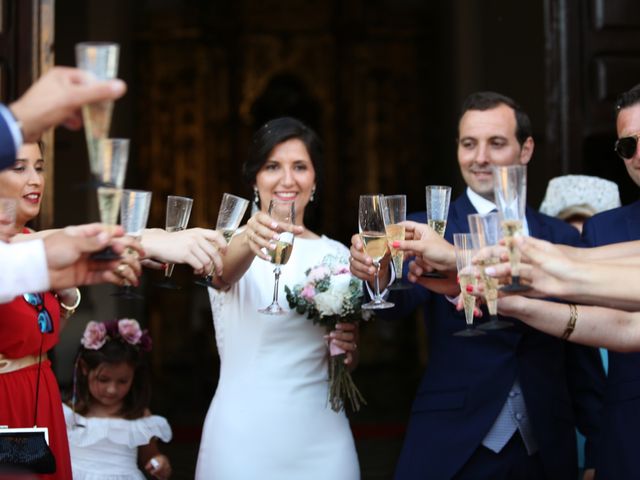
x=134, y=212
x=510, y=192
x=394, y=208
x=438, y=198
x=463, y=245
x=230, y=215
x=374, y=237
x=113, y=155
x=176, y=220
x=485, y=232
x=282, y=212
x=101, y=60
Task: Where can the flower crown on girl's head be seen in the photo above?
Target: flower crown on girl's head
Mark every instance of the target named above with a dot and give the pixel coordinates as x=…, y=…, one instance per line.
x=128, y=330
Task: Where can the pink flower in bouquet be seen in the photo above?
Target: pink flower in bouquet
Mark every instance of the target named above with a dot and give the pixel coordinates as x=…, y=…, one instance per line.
x=308, y=292
x=95, y=336
x=318, y=273
x=130, y=330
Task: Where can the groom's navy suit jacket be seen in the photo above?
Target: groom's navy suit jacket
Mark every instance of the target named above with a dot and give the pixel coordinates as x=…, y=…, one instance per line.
x=617, y=456
x=7, y=147
x=467, y=379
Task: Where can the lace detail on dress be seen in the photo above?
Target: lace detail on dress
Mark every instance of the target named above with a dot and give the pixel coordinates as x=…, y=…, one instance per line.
x=218, y=299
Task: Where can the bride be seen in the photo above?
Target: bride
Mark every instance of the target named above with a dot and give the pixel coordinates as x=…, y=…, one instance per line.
x=270, y=417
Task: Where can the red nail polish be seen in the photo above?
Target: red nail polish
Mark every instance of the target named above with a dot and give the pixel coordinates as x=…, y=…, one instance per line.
x=395, y=243
x=469, y=288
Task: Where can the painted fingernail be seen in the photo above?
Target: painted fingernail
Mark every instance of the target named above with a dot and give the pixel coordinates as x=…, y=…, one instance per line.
x=469, y=288
x=395, y=243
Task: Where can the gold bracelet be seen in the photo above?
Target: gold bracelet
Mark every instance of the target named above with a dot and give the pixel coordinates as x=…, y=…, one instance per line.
x=70, y=309
x=571, y=324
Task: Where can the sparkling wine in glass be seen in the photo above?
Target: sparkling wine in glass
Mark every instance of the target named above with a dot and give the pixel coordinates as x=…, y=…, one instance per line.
x=463, y=245
x=394, y=208
x=282, y=212
x=101, y=60
x=374, y=237
x=510, y=193
x=134, y=212
x=230, y=215
x=113, y=155
x=438, y=198
x=485, y=233
x=176, y=220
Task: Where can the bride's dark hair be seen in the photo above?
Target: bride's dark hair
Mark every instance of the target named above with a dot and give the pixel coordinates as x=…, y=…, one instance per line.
x=275, y=132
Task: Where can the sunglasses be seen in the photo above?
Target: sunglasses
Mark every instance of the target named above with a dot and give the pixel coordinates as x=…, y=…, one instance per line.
x=626, y=147
x=36, y=300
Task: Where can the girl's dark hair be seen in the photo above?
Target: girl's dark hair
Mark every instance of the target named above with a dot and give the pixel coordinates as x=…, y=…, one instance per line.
x=114, y=352
x=275, y=132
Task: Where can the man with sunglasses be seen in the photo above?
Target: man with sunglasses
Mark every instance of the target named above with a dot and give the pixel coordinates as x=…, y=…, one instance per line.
x=617, y=455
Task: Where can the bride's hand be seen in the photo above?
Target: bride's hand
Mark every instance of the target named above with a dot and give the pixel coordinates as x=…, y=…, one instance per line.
x=346, y=336
x=262, y=231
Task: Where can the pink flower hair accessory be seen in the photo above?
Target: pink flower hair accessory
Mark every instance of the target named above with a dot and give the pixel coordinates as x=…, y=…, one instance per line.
x=127, y=330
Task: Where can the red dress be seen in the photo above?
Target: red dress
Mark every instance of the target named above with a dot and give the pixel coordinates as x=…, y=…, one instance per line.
x=20, y=336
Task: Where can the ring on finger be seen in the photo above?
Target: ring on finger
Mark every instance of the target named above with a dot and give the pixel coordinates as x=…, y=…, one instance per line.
x=120, y=269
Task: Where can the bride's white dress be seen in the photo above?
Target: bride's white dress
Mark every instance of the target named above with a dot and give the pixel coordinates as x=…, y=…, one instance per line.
x=269, y=418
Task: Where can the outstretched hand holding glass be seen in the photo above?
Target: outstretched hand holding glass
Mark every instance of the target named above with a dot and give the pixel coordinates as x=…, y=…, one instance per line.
x=463, y=245
x=395, y=212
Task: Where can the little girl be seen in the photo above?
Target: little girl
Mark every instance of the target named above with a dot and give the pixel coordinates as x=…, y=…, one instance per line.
x=111, y=431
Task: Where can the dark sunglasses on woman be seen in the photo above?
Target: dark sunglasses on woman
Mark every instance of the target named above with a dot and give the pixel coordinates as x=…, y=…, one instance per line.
x=36, y=300
x=626, y=147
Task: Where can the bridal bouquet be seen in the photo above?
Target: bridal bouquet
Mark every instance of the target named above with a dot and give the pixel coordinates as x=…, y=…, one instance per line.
x=330, y=295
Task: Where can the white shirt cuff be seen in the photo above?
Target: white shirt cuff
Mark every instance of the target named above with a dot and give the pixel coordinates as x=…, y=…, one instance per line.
x=24, y=269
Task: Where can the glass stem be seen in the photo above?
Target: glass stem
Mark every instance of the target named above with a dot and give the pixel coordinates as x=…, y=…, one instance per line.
x=276, y=272
x=377, y=299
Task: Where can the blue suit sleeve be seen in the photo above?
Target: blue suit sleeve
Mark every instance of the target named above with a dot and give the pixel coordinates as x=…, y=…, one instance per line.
x=7, y=140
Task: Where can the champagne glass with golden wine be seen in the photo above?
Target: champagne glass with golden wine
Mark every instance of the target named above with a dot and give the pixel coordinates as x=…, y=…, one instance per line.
x=510, y=193
x=438, y=198
x=283, y=212
x=463, y=245
x=113, y=155
x=374, y=237
x=176, y=220
x=230, y=215
x=100, y=59
x=486, y=233
x=394, y=208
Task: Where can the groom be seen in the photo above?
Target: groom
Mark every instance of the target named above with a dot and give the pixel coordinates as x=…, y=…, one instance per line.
x=617, y=456
x=503, y=405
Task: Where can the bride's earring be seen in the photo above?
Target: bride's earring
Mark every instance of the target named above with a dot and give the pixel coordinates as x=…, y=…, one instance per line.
x=313, y=194
x=256, y=197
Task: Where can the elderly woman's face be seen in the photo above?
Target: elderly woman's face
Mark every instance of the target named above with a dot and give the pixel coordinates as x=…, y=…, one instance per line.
x=24, y=182
x=288, y=174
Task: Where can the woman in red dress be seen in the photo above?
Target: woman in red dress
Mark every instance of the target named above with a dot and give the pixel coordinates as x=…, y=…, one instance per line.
x=31, y=324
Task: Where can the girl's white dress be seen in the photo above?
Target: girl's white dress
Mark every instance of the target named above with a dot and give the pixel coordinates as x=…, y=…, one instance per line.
x=107, y=448
x=269, y=418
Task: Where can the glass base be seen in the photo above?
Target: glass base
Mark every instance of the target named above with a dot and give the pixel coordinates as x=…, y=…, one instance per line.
x=469, y=332
x=433, y=274
x=168, y=284
x=127, y=293
x=399, y=286
x=204, y=282
x=495, y=324
x=105, y=255
x=377, y=305
x=273, y=309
